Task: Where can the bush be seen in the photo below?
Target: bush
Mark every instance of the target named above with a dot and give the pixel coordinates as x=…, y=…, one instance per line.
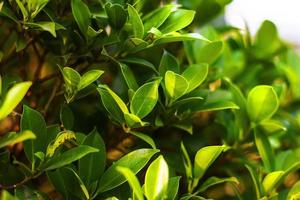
x=144, y=100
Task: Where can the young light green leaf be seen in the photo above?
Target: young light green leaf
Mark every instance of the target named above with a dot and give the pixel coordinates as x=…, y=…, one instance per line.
x=136, y=22
x=81, y=14
x=272, y=127
x=156, y=179
x=209, y=53
x=134, y=161
x=177, y=20
x=271, y=181
x=145, y=138
x=23, y=10
x=145, y=99
x=32, y=120
x=13, y=138
x=133, y=182
x=13, y=97
x=294, y=192
x=117, y=15
x=168, y=62
x=71, y=79
x=157, y=17
x=68, y=157
x=5, y=195
x=129, y=77
x=203, y=159
x=262, y=103
x=173, y=187
x=113, y=103
x=133, y=121
x=195, y=75
x=88, y=164
x=265, y=150
x=176, y=85
x=88, y=78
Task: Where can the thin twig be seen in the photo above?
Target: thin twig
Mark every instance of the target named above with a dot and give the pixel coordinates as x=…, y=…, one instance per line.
x=52, y=96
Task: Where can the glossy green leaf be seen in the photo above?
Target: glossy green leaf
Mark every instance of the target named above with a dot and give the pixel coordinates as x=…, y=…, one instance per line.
x=91, y=166
x=81, y=14
x=209, y=53
x=168, y=62
x=68, y=157
x=157, y=17
x=129, y=77
x=45, y=26
x=71, y=79
x=13, y=138
x=256, y=181
x=272, y=127
x=134, y=161
x=13, y=97
x=156, y=179
x=204, y=158
x=262, y=103
x=32, y=120
x=88, y=78
x=145, y=138
x=178, y=37
x=113, y=103
x=117, y=15
x=294, y=192
x=136, y=22
x=173, y=187
x=133, y=182
x=5, y=195
x=133, y=121
x=139, y=61
x=23, y=9
x=176, y=85
x=187, y=163
x=271, y=180
x=145, y=99
x=265, y=150
x=195, y=75
x=177, y=20
x=80, y=182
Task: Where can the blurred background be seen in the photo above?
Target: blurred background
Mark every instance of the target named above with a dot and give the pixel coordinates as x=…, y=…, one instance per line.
x=285, y=14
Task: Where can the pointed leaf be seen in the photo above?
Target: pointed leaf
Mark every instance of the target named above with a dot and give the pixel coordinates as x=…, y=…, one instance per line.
x=145, y=138
x=136, y=22
x=271, y=181
x=168, y=62
x=88, y=78
x=195, y=75
x=209, y=53
x=81, y=14
x=13, y=138
x=176, y=85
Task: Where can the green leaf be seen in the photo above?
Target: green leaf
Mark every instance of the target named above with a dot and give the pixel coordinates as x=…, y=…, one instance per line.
x=209, y=53
x=262, y=103
x=129, y=77
x=195, y=75
x=178, y=37
x=88, y=78
x=133, y=121
x=13, y=138
x=81, y=14
x=271, y=181
x=157, y=17
x=23, y=10
x=71, y=79
x=113, y=103
x=294, y=192
x=272, y=127
x=136, y=22
x=134, y=161
x=177, y=20
x=212, y=181
x=45, y=26
x=145, y=99
x=187, y=163
x=139, y=61
x=203, y=159
x=7, y=196
x=176, y=85
x=91, y=167
x=173, y=187
x=32, y=120
x=256, y=181
x=156, y=179
x=133, y=182
x=168, y=62
x=145, y=138
x=265, y=150
x=13, y=97
x=68, y=157
x=117, y=15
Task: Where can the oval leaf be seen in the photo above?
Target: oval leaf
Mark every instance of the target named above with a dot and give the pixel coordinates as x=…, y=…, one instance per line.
x=195, y=75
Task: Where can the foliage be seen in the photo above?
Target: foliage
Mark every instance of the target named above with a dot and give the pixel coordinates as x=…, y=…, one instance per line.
x=142, y=100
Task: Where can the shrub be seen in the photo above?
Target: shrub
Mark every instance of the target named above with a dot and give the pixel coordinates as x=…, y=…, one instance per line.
x=144, y=100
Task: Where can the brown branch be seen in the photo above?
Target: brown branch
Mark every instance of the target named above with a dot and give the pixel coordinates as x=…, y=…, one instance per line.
x=52, y=96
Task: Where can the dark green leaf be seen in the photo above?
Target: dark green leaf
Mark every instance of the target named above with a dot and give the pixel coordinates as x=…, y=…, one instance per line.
x=117, y=15
x=81, y=14
x=136, y=22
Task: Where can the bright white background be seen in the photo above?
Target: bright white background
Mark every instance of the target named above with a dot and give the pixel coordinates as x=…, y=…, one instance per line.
x=284, y=13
